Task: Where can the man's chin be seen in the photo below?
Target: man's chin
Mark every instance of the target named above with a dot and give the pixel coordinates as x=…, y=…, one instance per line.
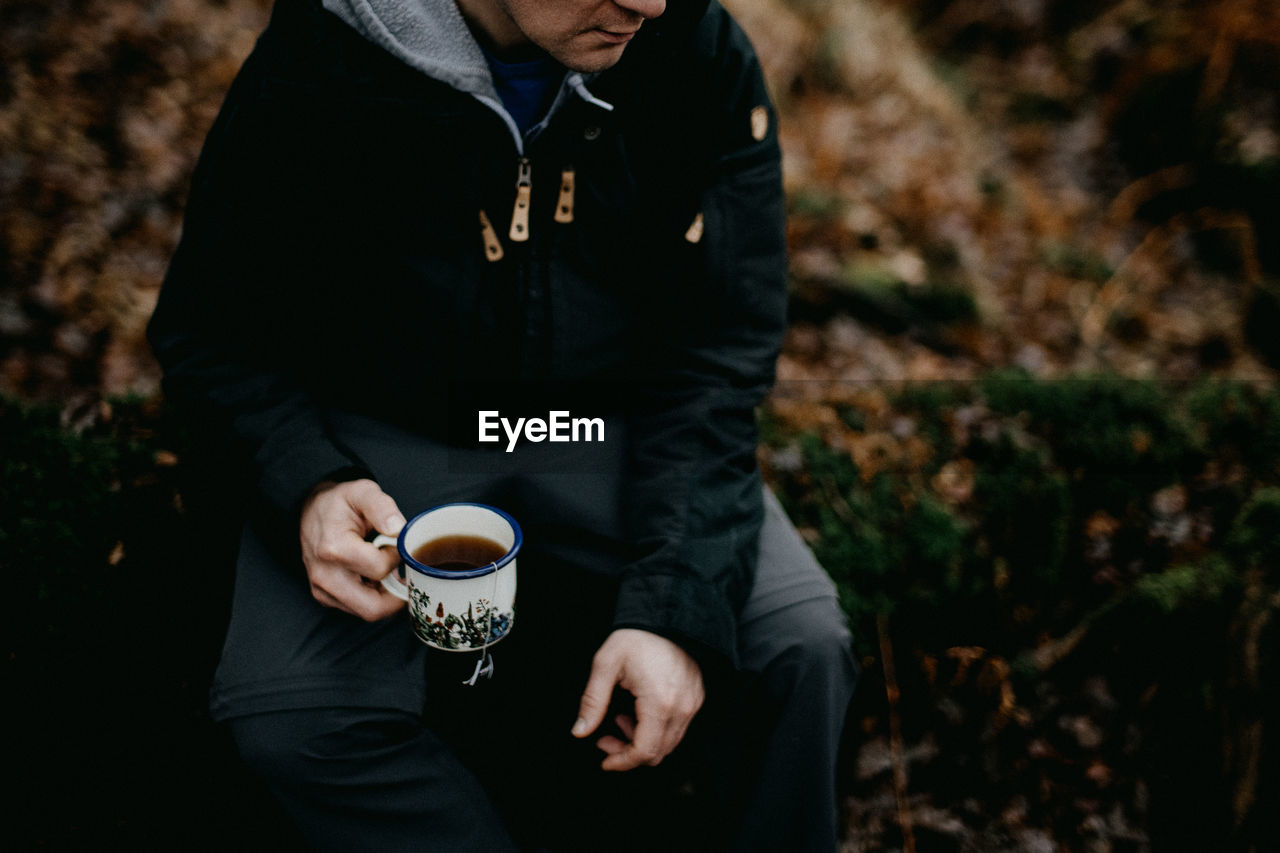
x=591, y=61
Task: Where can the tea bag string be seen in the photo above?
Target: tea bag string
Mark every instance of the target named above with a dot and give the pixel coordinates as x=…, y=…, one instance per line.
x=483, y=668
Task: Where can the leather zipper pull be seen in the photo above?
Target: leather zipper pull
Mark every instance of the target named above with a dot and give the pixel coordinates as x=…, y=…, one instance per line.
x=520, y=214
x=564, y=204
x=492, y=245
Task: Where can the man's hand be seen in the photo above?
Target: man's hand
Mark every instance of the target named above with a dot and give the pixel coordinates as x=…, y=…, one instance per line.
x=343, y=568
x=666, y=684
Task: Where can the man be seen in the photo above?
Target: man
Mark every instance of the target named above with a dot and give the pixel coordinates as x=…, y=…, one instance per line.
x=411, y=212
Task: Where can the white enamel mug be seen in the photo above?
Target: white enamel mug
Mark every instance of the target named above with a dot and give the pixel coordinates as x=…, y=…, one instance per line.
x=457, y=611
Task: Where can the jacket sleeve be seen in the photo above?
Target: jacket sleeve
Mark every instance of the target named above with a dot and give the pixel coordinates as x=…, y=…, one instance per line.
x=216, y=323
x=694, y=500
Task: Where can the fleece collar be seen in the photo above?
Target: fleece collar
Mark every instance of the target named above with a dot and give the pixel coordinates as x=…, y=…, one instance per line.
x=429, y=35
x=433, y=37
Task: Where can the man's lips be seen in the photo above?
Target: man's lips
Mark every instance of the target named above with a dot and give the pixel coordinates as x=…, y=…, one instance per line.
x=615, y=36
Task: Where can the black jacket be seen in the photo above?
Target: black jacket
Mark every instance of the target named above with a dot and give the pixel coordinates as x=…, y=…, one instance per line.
x=333, y=244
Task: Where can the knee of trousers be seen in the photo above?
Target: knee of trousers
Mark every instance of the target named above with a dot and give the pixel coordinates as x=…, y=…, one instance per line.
x=815, y=654
x=318, y=744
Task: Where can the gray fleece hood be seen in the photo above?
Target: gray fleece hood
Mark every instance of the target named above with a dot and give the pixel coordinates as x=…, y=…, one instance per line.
x=431, y=36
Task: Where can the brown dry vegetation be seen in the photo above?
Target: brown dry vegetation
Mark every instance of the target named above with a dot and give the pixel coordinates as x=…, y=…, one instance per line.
x=1080, y=171
x=103, y=107
x=1024, y=157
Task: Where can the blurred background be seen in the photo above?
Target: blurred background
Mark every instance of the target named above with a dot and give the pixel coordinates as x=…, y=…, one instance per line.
x=1027, y=413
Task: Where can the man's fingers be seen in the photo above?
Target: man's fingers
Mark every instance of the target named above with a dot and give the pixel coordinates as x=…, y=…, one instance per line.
x=346, y=591
x=343, y=568
x=666, y=684
x=346, y=551
x=655, y=735
x=651, y=741
x=595, y=699
x=614, y=745
x=328, y=600
x=611, y=745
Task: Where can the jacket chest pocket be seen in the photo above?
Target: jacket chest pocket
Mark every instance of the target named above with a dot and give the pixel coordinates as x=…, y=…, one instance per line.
x=617, y=258
x=604, y=230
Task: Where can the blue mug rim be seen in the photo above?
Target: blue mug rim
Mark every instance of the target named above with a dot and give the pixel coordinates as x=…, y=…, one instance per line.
x=479, y=571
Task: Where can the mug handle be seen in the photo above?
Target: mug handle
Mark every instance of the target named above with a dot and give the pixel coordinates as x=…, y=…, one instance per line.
x=391, y=583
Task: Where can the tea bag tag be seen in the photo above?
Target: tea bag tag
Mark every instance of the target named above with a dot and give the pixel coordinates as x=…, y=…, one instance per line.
x=484, y=667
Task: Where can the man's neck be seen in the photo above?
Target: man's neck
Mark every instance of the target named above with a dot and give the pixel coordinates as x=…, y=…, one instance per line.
x=496, y=31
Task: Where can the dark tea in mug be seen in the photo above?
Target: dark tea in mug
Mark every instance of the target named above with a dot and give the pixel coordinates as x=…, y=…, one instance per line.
x=459, y=553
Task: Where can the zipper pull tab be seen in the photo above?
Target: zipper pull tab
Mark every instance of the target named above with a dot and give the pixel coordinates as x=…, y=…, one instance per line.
x=520, y=215
x=564, y=204
x=694, y=234
x=492, y=245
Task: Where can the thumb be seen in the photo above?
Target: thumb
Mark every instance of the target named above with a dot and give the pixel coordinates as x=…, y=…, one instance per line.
x=595, y=699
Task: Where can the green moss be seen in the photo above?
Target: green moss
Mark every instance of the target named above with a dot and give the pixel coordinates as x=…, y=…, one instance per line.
x=930, y=405
x=872, y=280
x=813, y=203
x=1037, y=107
x=1239, y=422
x=1025, y=511
x=1255, y=535
x=942, y=302
x=1060, y=535
x=929, y=399
x=1186, y=585
x=75, y=502
x=1075, y=262
x=55, y=490
x=874, y=293
x=1119, y=439
x=935, y=540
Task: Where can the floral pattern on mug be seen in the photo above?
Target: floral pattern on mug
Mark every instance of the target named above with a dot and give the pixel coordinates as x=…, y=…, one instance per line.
x=457, y=631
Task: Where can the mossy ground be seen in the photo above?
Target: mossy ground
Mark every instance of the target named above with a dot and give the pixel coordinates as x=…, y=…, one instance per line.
x=1069, y=576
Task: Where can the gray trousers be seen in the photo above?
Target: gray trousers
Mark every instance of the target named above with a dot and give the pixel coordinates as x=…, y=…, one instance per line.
x=371, y=742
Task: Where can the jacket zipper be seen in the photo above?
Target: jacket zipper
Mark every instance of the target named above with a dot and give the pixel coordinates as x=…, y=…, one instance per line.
x=528, y=270
x=520, y=213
